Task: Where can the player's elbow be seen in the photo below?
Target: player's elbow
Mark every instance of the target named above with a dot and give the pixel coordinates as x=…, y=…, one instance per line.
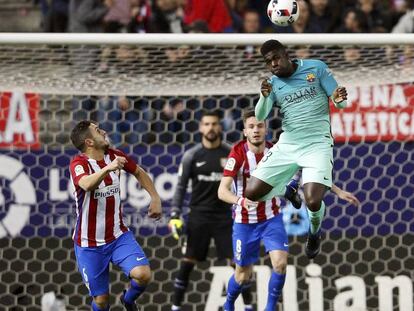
x=85, y=185
x=220, y=193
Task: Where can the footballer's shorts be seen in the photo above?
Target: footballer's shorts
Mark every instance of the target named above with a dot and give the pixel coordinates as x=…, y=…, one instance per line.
x=283, y=160
x=201, y=228
x=93, y=262
x=247, y=238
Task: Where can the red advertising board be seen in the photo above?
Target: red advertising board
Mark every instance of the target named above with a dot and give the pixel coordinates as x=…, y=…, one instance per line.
x=19, y=123
x=375, y=113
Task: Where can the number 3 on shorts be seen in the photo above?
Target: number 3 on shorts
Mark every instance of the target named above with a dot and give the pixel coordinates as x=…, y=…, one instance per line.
x=266, y=156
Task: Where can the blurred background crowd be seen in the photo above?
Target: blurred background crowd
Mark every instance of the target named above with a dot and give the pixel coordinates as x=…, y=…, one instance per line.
x=201, y=16
x=162, y=119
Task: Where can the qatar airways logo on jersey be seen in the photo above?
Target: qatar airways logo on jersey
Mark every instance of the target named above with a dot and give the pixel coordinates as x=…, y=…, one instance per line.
x=301, y=95
x=106, y=191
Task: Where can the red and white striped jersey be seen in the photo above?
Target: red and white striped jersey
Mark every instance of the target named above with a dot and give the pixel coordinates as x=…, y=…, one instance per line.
x=99, y=213
x=240, y=163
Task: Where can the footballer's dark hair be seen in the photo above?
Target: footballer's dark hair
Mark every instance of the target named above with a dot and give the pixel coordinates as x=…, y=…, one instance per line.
x=210, y=113
x=248, y=113
x=271, y=45
x=79, y=133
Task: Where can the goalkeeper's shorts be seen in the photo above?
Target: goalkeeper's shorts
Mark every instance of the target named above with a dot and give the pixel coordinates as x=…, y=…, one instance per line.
x=201, y=229
x=283, y=160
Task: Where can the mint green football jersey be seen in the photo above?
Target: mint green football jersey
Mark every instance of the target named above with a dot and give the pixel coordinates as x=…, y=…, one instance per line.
x=303, y=100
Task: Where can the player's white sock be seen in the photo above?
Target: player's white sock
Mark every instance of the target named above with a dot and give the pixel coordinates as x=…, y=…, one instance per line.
x=175, y=308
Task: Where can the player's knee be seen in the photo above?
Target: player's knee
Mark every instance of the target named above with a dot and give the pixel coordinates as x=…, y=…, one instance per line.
x=141, y=274
x=242, y=276
x=279, y=265
x=313, y=204
x=101, y=301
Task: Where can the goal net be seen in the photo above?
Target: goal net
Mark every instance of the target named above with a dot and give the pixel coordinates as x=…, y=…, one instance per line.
x=148, y=92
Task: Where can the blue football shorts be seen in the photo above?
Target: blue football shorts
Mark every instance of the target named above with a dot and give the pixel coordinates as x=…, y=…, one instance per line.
x=93, y=262
x=247, y=238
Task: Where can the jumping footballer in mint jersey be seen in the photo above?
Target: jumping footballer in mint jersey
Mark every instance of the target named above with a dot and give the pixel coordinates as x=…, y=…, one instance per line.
x=301, y=90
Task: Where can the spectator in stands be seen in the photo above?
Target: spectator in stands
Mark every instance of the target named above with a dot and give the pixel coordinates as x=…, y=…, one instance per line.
x=405, y=23
x=88, y=15
x=353, y=22
x=261, y=6
x=376, y=17
x=352, y=56
x=251, y=22
x=118, y=16
x=237, y=9
x=302, y=52
x=302, y=25
x=199, y=26
x=140, y=16
x=399, y=8
x=166, y=17
x=55, y=15
x=214, y=12
x=322, y=15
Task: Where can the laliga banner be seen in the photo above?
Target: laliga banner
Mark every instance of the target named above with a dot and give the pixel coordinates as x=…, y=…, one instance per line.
x=375, y=113
x=19, y=124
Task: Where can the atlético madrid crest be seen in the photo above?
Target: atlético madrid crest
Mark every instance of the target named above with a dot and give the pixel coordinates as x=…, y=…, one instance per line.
x=310, y=77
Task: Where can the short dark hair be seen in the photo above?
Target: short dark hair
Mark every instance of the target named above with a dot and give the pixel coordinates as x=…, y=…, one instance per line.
x=271, y=45
x=211, y=113
x=248, y=113
x=79, y=133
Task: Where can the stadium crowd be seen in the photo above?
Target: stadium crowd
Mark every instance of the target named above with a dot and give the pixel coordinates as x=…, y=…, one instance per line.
x=223, y=16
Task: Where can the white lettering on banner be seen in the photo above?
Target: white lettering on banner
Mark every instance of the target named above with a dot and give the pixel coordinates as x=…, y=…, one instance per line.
x=386, y=285
x=215, y=299
x=24, y=194
x=18, y=121
x=55, y=194
x=130, y=190
x=383, y=96
x=377, y=124
x=383, y=112
x=315, y=286
x=351, y=290
x=352, y=299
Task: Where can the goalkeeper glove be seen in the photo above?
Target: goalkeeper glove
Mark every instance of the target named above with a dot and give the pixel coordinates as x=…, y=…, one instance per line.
x=292, y=194
x=176, y=225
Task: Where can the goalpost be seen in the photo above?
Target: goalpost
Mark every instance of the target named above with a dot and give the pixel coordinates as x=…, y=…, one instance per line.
x=147, y=91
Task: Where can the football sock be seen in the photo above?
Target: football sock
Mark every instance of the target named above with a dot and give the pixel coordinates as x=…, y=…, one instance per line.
x=181, y=282
x=315, y=218
x=247, y=294
x=96, y=308
x=276, y=283
x=233, y=290
x=133, y=292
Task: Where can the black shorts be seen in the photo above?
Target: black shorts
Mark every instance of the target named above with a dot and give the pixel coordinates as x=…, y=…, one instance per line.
x=201, y=229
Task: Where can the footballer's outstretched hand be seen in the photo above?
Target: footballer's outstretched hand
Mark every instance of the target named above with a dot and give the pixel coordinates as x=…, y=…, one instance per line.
x=266, y=87
x=155, y=210
x=176, y=225
x=339, y=95
x=349, y=197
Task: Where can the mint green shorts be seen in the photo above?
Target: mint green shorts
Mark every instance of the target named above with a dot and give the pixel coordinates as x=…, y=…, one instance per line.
x=283, y=160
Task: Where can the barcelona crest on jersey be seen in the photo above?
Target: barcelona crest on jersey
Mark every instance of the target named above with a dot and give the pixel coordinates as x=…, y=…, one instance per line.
x=310, y=77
